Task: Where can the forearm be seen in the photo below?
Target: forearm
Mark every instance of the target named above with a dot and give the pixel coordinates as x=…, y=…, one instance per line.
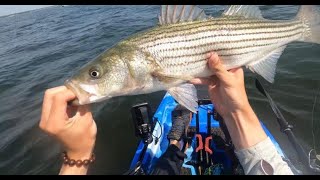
x=255, y=151
x=74, y=170
x=244, y=128
x=263, y=159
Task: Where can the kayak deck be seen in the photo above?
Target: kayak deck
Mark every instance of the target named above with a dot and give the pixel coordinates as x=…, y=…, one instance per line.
x=158, y=146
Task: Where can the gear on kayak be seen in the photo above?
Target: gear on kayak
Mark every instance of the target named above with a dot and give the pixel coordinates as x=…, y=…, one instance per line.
x=210, y=150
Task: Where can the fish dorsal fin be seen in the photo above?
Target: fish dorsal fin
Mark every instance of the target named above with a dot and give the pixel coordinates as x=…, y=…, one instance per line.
x=171, y=14
x=247, y=11
x=267, y=65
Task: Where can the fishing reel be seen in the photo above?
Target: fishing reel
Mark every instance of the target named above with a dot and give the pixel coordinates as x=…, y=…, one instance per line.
x=142, y=119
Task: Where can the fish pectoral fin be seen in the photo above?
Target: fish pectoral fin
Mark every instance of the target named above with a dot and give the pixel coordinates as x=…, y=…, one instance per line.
x=186, y=95
x=168, y=78
x=171, y=14
x=247, y=11
x=267, y=65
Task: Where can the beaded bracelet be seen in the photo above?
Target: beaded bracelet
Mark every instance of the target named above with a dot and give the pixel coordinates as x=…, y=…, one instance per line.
x=78, y=163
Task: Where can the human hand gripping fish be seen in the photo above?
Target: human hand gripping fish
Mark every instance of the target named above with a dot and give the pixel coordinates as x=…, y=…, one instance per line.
x=168, y=56
x=72, y=126
x=226, y=89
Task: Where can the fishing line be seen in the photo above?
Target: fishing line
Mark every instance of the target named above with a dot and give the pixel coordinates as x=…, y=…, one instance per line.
x=312, y=117
x=313, y=166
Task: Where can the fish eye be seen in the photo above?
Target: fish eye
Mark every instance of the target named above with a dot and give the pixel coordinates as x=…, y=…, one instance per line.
x=94, y=73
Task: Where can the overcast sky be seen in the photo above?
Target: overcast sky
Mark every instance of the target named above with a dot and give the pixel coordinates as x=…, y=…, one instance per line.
x=12, y=9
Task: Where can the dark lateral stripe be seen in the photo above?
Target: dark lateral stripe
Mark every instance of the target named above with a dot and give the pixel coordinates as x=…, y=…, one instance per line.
x=147, y=41
x=220, y=54
x=183, y=24
x=159, y=35
x=186, y=62
x=196, y=24
x=226, y=42
x=216, y=50
x=222, y=35
x=215, y=22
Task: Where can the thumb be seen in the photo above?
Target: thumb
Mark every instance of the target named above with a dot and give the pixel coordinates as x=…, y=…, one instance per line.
x=60, y=103
x=217, y=67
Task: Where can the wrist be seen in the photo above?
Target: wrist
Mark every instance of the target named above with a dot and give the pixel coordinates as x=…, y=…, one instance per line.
x=76, y=163
x=82, y=151
x=176, y=143
x=245, y=111
x=244, y=128
x=84, y=154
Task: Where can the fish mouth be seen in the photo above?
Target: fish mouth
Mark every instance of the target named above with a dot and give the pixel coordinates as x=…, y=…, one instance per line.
x=83, y=97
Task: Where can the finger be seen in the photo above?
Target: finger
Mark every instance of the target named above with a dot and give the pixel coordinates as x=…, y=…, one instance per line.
x=235, y=70
x=58, y=112
x=47, y=103
x=201, y=81
x=216, y=66
x=238, y=73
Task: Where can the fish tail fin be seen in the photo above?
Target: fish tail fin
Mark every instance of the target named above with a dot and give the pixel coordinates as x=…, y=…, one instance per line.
x=310, y=17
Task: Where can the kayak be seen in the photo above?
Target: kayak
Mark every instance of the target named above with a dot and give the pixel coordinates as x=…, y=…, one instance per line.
x=209, y=151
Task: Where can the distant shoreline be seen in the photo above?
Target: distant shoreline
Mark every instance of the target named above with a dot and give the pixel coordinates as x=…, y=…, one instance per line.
x=41, y=8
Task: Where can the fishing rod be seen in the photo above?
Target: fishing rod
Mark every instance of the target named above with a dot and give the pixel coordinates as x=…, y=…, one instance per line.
x=286, y=128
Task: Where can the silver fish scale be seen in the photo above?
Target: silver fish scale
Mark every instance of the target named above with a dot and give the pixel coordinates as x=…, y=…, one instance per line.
x=182, y=49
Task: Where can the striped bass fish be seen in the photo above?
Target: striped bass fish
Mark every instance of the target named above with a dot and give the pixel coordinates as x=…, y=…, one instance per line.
x=168, y=56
